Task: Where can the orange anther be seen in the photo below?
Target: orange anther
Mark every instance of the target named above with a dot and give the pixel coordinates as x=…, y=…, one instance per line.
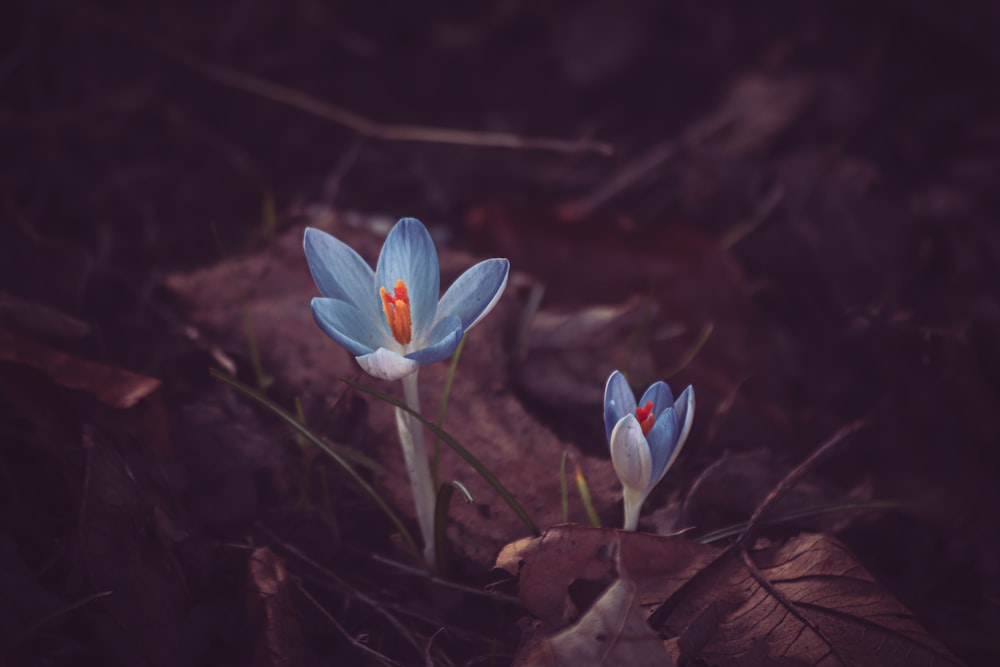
x=396, y=306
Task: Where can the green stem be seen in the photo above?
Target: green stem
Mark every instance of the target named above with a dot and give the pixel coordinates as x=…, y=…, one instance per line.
x=411, y=438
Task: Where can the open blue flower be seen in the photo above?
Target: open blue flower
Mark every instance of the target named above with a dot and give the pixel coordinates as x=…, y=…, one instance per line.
x=644, y=438
x=391, y=319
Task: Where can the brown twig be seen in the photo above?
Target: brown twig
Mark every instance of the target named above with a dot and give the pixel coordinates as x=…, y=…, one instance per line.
x=292, y=97
x=356, y=643
x=793, y=477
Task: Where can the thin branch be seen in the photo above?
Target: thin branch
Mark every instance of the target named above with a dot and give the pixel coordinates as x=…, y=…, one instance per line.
x=793, y=477
x=240, y=80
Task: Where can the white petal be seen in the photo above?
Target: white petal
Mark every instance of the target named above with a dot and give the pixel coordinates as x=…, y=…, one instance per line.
x=386, y=364
x=630, y=453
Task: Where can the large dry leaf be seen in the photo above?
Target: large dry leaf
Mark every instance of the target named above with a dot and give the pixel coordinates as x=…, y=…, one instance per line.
x=805, y=602
x=483, y=413
x=612, y=632
x=116, y=387
x=547, y=566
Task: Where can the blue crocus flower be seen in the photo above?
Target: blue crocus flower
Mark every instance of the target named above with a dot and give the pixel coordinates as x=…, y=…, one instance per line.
x=644, y=438
x=392, y=319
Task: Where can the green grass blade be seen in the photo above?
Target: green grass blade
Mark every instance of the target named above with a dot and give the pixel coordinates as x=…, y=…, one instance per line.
x=338, y=454
x=269, y=215
x=588, y=504
x=443, y=500
x=62, y=611
x=564, y=488
x=300, y=414
x=736, y=529
x=706, y=333
x=469, y=458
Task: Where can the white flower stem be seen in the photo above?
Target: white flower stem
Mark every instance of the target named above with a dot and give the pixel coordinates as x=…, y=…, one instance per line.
x=411, y=438
x=633, y=505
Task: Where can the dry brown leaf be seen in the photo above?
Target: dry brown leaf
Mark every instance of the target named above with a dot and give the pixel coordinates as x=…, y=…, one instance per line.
x=612, y=632
x=807, y=600
x=693, y=312
x=563, y=357
x=279, y=640
x=116, y=387
x=546, y=566
x=38, y=319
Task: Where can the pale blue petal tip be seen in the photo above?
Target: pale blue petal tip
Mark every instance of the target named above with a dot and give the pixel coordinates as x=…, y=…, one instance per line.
x=618, y=401
x=475, y=292
x=660, y=395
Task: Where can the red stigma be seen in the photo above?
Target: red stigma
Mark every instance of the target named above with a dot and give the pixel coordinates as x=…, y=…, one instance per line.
x=645, y=417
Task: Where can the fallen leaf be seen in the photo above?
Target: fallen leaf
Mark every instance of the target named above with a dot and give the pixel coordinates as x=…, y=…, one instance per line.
x=692, y=317
x=547, y=566
x=807, y=600
x=115, y=387
x=557, y=352
x=38, y=319
x=612, y=632
x=276, y=626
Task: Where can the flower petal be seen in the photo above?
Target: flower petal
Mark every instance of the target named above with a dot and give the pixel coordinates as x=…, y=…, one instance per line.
x=618, y=402
x=630, y=453
x=684, y=412
x=386, y=364
x=661, y=396
x=409, y=255
x=442, y=341
x=347, y=325
x=339, y=272
x=475, y=292
x=685, y=409
x=662, y=439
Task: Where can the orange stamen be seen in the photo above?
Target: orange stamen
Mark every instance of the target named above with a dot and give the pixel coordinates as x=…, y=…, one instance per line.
x=646, y=417
x=396, y=306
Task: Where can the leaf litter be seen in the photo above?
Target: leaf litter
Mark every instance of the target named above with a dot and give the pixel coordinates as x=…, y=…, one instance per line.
x=841, y=160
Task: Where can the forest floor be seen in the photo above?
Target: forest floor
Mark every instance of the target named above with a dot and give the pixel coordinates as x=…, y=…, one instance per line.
x=793, y=210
